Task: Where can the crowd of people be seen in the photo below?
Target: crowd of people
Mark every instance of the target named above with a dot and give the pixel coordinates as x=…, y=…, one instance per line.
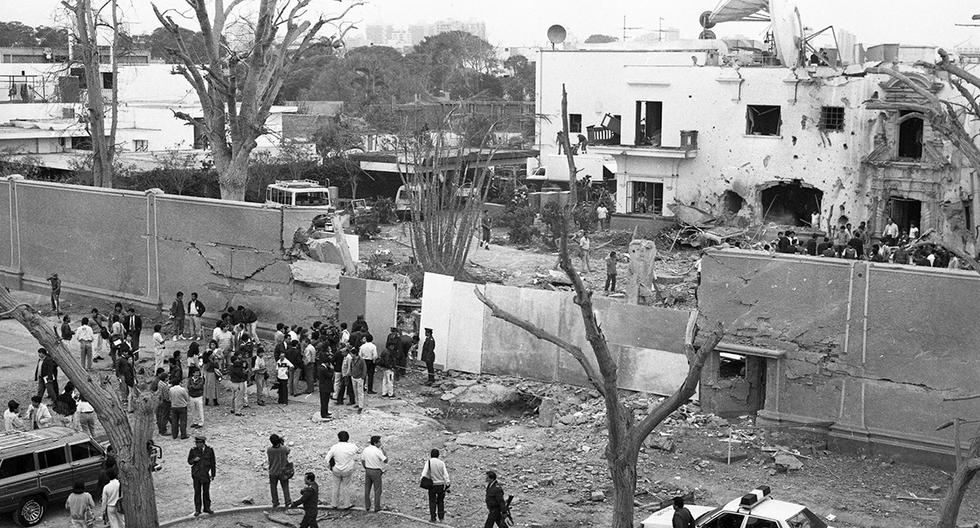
x=341, y=362
x=855, y=243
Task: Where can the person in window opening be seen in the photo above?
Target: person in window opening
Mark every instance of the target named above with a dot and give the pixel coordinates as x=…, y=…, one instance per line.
x=641, y=202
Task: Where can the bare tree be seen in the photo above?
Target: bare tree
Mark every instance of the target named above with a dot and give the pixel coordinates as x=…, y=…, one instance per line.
x=129, y=435
x=948, y=118
x=237, y=87
x=626, y=434
x=87, y=21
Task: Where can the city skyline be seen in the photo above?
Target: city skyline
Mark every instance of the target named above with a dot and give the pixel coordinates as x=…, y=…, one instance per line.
x=517, y=23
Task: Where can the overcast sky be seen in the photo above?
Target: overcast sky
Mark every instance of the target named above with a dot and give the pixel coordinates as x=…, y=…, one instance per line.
x=524, y=22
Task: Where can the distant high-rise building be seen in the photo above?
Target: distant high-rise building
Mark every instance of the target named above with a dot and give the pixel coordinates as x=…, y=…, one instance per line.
x=403, y=37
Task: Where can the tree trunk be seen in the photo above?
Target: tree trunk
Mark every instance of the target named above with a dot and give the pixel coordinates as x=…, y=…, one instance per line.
x=234, y=178
x=949, y=512
x=132, y=456
x=622, y=469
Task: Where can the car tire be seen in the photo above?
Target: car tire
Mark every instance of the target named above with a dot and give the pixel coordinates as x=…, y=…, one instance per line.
x=30, y=511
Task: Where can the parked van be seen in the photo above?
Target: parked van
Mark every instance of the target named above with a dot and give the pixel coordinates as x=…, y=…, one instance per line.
x=39, y=467
x=298, y=193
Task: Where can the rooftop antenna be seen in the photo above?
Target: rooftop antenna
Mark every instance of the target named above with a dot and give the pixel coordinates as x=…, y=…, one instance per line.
x=556, y=35
x=627, y=28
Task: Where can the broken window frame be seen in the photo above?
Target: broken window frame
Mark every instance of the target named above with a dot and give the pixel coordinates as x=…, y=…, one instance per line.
x=831, y=118
x=900, y=146
x=753, y=124
x=729, y=362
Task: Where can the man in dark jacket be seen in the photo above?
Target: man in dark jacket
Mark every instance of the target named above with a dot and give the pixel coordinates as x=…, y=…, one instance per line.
x=126, y=374
x=393, y=345
x=195, y=311
x=324, y=375
x=177, y=313
x=295, y=356
x=682, y=516
x=360, y=325
x=46, y=375
x=429, y=356
x=201, y=460
x=55, y=293
x=239, y=384
x=133, y=324
x=309, y=498
x=495, y=502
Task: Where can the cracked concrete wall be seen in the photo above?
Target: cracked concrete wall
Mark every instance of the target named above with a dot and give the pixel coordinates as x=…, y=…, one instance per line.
x=873, y=348
x=142, y=248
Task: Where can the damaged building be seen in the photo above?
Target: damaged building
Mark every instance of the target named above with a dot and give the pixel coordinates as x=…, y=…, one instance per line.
x=725, y=126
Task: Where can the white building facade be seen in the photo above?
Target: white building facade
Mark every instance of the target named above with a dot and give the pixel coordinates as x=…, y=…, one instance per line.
x=761, y=143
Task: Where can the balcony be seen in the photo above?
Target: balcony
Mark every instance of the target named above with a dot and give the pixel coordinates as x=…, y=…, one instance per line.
x=688, y=148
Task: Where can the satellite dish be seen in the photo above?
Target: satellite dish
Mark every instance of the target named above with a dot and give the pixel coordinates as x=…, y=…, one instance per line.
x=556, y=35
x=707, y=35
x=787, y=31
x=705, y=20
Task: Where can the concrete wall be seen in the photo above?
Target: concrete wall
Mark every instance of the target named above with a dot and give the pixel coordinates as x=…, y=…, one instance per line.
x=873, y=348
x=647, y=342
x=142, y=248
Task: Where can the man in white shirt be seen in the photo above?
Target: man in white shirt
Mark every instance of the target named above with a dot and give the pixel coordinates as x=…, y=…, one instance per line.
x=38, y=414
x=436, y=470
x=110, y=501
x=11, y=417
x=369, y=353
x=309, y=365
x=373, y=460
x=890, y=236
x=340, y=460
x=85, y=336
x=601, y=214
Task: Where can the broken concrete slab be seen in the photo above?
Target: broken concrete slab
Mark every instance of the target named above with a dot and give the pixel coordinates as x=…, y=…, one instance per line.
x=487, y=394
x=661, y=443
x=546, y=412
x=316, y=273
x=787, y=462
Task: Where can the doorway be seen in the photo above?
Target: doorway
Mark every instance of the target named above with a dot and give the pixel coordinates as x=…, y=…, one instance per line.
x=905, y=212
x=910, y=137
x=791, y=203
x=649, y=122
x=647, y=197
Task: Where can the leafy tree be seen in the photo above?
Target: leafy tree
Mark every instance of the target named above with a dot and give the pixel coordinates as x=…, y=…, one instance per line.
x=308, y=73
x=597, y=38
x=237, y=85
x=163, y=44
x=16, y=33
x=519, y=86
x=365, y=76
x=335, y=140
x=51, y=37
x=452, y=58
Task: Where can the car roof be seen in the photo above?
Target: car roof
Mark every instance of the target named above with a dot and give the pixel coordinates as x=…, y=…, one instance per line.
x=768, y=508
x=11, y=441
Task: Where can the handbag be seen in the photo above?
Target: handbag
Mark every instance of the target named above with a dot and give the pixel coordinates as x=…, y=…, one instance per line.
x=425, y=482
x=288, y=471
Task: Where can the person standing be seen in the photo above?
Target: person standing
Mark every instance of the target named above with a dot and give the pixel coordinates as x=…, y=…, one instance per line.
x=80, y=506
x=393, y=343
x=324, y=373
x=55, y=293
x=682, y=516
x=357, y=371
x=601, y=214
x=278, y=455
x=85, y=336
x=340, y=460
x=611, y=262
x=436, y=470
x=159, y=347
x=309, y=362
x=429, y=356
x=295, y=357
x=283, y=366
x=495, y=502
x=374, y=461
x=46, y=374
x=127, y=379
x=163, y=411
x=239, y=380
x=110, y=501
x=195, y=311
x=309, y=498
x=369, y=353
x=387, y=363
x=212, y=373
x=179, y=399
x=337, y=360
x=585, y=250
x=97, y=322
x=86, y=416
x=359, y=325
x=38, y=414
x=66, y=406
x=203, y=470
x=178, y=314
x=195, y=397
x=134, y=325
x=346, y=385
x=260, y=375
x=486, y=228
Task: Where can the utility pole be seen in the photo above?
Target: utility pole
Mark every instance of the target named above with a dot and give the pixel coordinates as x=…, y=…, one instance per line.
x=627, y=28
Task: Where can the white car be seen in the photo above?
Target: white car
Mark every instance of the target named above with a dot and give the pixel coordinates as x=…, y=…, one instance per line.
x=756, y=509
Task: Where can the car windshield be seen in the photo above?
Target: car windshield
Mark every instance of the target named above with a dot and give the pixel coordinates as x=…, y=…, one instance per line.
x=312, y=198
x=806, y=519
x=705, y=515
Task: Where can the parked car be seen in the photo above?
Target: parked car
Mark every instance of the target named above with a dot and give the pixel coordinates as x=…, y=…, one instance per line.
x=39, y=467
x=756, y=509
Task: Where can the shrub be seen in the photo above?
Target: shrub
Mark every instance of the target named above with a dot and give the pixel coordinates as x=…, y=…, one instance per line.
x=385, y=208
